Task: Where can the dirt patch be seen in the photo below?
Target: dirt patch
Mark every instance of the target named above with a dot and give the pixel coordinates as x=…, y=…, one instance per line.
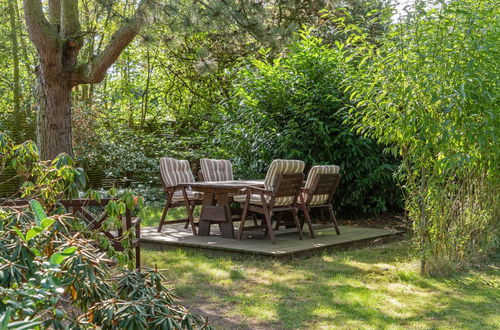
x=387, y=221
x=218, y=318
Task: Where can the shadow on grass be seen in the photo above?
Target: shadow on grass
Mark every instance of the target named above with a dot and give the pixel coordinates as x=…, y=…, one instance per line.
x=346, y=289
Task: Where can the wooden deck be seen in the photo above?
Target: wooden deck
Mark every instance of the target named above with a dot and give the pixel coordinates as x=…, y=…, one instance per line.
x=288, y=244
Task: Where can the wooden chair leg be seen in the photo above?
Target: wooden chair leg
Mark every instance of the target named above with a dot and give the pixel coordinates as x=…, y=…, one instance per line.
x=165, y=211
x=242, y=222
x=266, y=229
x=297, y=224
x=306, y=216
x=186, y=225
x=189, y=213
x=308, y=220
x=267, y=216
x=334, y=220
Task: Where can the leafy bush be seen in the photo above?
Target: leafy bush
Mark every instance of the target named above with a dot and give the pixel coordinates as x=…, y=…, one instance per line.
x=431, y=91
x=120, y=151
x=53, y=275
x=293, y=107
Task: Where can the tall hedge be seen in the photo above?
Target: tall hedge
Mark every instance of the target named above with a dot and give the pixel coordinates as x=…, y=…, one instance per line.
x=293, y=107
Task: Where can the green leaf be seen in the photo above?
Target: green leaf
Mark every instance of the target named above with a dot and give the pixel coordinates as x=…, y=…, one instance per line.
x=47, y=222
x=81, y=177
x=35, y=251
x=33, y=232
x=69, y=250
x=37, y=209
x=19, y=233
x=4, y=319
x=58, y=258
x=21, y=325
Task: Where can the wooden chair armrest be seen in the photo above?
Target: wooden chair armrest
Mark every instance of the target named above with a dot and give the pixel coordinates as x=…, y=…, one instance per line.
x=259, y=190
x=176, y=188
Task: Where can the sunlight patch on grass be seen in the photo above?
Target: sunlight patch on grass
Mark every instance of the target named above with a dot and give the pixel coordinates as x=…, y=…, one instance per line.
x=370, y=288
x=150, y=215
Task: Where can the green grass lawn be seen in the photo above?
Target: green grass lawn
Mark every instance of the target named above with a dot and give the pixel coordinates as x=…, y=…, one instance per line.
x=376, y=287
x=151, y=215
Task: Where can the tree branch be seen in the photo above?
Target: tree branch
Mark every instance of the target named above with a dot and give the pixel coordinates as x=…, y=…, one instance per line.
x=70, y=23
x=118, y=42
x=39, y=29
x=55, y=13
x=44, y=38
x=70, y=32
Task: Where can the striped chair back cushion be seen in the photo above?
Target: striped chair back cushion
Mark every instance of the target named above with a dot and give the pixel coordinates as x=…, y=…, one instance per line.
x=313, y=173
x=174, y=171
x=281, y=166
x=216, y=169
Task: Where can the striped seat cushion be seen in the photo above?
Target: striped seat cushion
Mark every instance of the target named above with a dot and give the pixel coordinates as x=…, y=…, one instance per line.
x=254, y=199
x=192, y=195
x=173, y=172
x=313, y=173
x=216, y=169
x=278, y=166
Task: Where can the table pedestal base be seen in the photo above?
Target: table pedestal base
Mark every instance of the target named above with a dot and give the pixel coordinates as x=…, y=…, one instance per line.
x=216, y=209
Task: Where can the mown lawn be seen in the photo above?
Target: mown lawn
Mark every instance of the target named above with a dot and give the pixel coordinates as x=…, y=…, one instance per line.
x=376, y=287
x=151, y=215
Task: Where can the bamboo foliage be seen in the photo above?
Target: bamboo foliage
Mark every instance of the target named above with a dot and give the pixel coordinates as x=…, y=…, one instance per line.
x=431, y=91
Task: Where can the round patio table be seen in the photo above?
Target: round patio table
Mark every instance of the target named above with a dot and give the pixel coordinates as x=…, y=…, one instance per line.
x=215, y=206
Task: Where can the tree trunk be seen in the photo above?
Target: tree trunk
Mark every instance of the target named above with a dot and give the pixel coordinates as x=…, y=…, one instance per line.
x=16, y=88
x=58, y=41
x=54, y=119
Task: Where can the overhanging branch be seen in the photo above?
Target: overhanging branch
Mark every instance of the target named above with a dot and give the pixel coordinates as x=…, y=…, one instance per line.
x=119, y=40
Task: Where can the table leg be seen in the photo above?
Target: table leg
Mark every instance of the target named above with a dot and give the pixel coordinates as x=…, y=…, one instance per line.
x=204, y=226
x=227, y=227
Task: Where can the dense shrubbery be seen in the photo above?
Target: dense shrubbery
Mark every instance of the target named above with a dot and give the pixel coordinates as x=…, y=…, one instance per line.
x=430, y=89
x=118, y=151
x=52, y=275
x=294, y=107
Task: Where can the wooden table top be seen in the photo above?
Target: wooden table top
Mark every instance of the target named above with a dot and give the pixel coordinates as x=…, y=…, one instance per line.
x=223, y=186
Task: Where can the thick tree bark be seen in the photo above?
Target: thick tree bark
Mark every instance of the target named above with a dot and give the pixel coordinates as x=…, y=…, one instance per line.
x=54, y=118
x=58, y=41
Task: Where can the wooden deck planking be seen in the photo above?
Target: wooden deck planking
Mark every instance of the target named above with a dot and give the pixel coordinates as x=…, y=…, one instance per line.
x=288, y=243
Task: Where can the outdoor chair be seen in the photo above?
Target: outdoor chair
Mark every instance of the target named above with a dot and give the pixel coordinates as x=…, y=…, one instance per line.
x=319, y=190
x=172, y=173
x=282, y=187
x=215, y=170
